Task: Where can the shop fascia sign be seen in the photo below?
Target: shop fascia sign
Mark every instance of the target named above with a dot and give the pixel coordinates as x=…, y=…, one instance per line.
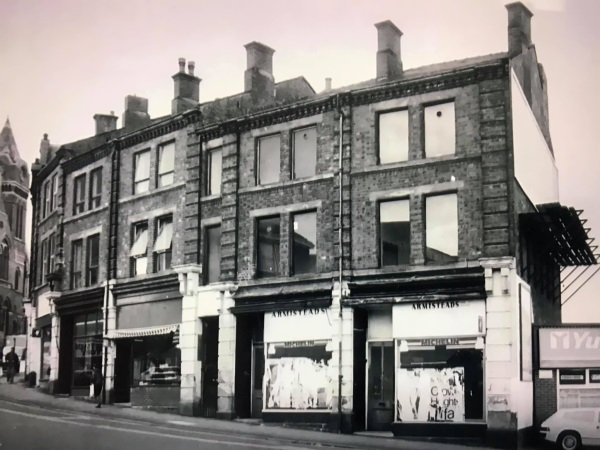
x=436, y=305
x=569, y=347
x=299, y=312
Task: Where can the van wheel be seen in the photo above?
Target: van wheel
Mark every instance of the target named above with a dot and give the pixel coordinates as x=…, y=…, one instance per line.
x=569, y=440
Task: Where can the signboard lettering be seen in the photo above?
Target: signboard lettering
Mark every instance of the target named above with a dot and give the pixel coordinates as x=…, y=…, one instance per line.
x=440, y=341
x=299, y=344
x=569, y=347
x=436, y=305
x=574, y=376
x=594, y=375
x=299, y=312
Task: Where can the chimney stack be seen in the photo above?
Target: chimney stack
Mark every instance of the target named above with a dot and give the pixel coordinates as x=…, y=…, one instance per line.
x=258, y=78
x=187, y=88
x=327, y=84
x=105, y=122
x=519, y=28
x=45, y=150
x=389, y=63
x=136, y=112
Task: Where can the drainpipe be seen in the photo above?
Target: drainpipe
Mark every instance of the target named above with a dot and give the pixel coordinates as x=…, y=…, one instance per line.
x=341, y=264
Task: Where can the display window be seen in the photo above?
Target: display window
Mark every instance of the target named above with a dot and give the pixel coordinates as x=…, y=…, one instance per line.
x=440, y=384
x=87, y=351
x=298, y=376
x=578, y=388
x=156, y=361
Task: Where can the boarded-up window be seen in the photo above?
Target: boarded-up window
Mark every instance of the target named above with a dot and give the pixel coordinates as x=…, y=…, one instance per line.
x=393, y=137
x=268, y=159
x=214, y=176
x=213, y=256
x=440, y=130
x=304, y=238
x=394, y=232
x=441, y=222
x=305, y=152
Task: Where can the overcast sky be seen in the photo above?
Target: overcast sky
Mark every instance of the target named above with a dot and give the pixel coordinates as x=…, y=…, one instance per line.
x=62, y=61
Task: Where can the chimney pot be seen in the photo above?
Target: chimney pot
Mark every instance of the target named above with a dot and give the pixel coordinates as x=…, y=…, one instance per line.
x=389, y=61
x=182, y=65
x=519, y=28
x=191, y=66
x=186, y=88
x=46, y=136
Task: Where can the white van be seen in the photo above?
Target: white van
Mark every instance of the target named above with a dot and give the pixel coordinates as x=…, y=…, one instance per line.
x=572, y=428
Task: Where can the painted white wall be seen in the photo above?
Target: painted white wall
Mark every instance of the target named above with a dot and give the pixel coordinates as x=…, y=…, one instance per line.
x=299, y=327
x=43, y=306
x=535, y=168
x=380, y=325
x=522, y=391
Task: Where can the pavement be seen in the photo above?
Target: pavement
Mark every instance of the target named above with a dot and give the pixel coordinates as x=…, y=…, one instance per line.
x=29, y=414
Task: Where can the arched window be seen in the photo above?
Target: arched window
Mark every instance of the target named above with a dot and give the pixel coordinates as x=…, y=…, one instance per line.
x=17, y=279
x=4, y=257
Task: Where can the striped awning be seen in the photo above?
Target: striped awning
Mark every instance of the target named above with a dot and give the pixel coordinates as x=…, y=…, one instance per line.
x=141, y=332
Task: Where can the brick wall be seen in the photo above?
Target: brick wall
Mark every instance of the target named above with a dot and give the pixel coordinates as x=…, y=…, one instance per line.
x=545, y=397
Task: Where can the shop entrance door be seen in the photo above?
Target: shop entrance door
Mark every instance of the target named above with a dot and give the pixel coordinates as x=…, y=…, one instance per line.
x=258, y=371
x=123, y=369
x=380, y=395
x=210, y=368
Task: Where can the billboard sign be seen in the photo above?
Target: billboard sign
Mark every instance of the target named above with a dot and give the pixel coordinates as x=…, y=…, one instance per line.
x=568, y=347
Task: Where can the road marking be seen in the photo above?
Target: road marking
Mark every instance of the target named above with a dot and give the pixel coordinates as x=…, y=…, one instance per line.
x=181, y=422
x=150, y=433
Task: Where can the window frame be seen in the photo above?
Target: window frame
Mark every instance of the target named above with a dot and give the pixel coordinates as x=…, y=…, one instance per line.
x=292, y=261
x=136, y=183
x=89, y=267
x=162, y=258
x=207, y=247
x=378, y=134
x=257, y=153
x=137, y=228
x=78, y=243
x=95, y=197
x=159, y=175
x=257, y=246
x=293, y=150
x=424, y=122
x=46, y=207
x=380, y=236
x=55, y=194
x=79, y=203
x=209, y=187
x=51, y=252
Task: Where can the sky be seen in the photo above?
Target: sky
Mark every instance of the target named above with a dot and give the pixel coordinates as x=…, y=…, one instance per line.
x=62, y=61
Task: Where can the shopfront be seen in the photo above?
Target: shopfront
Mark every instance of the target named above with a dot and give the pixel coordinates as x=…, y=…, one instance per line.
x=568, y=368
x=148, y=358
x=439, y=360
x=297, y=383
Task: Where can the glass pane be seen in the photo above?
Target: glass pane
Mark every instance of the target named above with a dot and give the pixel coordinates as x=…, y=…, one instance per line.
x=215, y=172
x=268, y=163
x=165, y=179
x=141, y=265
x=441, y=219
x=165, y=235
x=214, y=253
x=142, y=166
x=394, y=217
x=142, y=186
x=268, y=247
x=440, y=136
x=305, y=152
x=93, y=250
x=393, y=137
x=305, y=243
x=80, y=322
x=167, y=158
x=96, y=182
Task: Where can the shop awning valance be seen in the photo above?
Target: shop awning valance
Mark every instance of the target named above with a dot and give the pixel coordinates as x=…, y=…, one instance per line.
x=561, y=227
x=142, y=332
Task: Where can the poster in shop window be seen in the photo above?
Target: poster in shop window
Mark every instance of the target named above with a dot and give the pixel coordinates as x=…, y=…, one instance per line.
x=431, y=395
x=298, y=383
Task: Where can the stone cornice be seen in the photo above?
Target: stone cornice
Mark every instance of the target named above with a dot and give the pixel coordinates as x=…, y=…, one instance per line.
x=144, y=285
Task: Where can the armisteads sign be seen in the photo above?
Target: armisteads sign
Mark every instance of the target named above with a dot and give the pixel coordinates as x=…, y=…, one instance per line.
x=563, y=347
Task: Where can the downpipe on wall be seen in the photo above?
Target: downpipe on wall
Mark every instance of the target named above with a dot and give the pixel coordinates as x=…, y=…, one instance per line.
x=341, y=264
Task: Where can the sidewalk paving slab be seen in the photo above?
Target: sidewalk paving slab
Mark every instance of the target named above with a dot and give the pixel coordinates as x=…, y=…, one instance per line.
x=18, y=393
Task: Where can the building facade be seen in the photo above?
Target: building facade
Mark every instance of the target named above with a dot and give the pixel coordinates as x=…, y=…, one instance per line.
x=371, y=257
x=13, y=253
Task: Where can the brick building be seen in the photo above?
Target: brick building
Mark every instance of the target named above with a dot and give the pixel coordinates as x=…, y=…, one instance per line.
x=14, y=180
x=334, y=258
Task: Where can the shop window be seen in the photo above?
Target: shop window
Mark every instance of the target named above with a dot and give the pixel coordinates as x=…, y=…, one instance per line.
x=166, y=164
x=4, y=259
x=79, y=195
x=156, y=361
x=268, y=165
x=163, y=244
x=440, y=385
x=96, y=188
x=76, y=264
x=268, y=236
x=441, y=222
x=213, y=254
x=215, y=167
x=440, y=134
x=393, y=137
x=304, y=153
x=139, y=249
x=298, y=376
x=141, y=169
x=394, y=232
x=55, y=191
x=578, y=397
x=93, y=259
x=304, y=243
x=87, y=347
x=47, y=197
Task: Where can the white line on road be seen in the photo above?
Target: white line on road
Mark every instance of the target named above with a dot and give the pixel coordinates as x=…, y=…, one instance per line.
x=150, y=433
